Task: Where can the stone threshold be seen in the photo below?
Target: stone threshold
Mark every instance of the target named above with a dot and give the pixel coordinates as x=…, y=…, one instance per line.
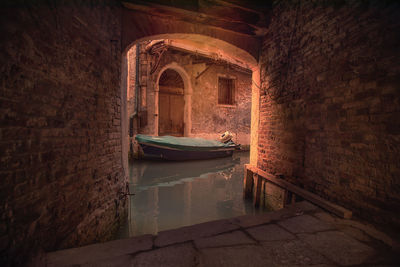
x=300, y=234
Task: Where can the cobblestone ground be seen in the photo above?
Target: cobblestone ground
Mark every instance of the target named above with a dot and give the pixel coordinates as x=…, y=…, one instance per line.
x=298, y=235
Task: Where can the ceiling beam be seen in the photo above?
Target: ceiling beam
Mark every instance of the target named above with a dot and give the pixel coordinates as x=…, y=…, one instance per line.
x=213, y=14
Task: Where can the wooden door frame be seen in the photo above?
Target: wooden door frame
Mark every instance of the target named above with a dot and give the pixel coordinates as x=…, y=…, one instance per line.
x=187, y=94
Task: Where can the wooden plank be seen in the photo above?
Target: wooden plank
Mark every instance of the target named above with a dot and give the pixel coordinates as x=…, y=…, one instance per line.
x=286, y=197
x=247, y=183
x=317, y=200
x=262, y=194
x=257, y=192
x=289, y=198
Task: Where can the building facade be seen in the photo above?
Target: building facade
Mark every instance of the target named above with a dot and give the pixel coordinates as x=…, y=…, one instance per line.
x=181, y=93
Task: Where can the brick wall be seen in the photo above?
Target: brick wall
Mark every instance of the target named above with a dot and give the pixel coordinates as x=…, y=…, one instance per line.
x=330, y=103
x=210, y=119
x=60, y=112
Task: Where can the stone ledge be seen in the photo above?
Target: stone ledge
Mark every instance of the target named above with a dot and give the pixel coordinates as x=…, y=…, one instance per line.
x=183, y=255
x=270, y=232
x=188, y=233
x=289, y=211
x=300, y=234
x=339, y=247
x=304, y=224
x=227, y=239
x=100, y=251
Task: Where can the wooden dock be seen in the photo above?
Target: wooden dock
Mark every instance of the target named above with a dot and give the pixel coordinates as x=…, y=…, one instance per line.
x=255, y=181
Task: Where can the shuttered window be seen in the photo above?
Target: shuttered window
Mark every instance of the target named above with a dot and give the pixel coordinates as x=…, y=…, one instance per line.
x=226, y=91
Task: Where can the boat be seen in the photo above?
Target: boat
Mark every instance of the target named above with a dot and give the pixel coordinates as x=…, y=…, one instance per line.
x=183, y=148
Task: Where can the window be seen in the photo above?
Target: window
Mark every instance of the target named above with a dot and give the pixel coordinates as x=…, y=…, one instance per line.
x=226, y=91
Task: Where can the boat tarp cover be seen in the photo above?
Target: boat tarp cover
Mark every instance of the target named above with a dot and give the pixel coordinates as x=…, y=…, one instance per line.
x=184, y=143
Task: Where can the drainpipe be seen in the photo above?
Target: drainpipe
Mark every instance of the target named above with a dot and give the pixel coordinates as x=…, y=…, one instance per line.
x=136, y=105
x=137, y=80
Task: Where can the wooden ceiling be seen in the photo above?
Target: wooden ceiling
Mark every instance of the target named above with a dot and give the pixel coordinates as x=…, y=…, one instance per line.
x=243, y=17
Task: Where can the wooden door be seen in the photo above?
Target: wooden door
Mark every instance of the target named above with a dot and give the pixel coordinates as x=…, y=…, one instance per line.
x=171, y=108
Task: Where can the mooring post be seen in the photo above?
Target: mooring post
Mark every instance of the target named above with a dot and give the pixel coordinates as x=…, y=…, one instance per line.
x=262, y=193
x=257, y=191
x=247, y=183
x=287, y=199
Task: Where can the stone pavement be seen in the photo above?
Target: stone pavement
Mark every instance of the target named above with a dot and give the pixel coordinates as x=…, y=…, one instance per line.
x=298, y=235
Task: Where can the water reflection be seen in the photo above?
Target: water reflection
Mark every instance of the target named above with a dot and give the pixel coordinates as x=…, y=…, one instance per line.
x=174, y=194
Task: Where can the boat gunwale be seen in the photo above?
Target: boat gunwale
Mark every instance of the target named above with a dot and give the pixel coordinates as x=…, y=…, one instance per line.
x=189, y=148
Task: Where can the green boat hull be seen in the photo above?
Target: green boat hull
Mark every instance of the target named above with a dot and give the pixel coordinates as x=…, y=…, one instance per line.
x=183, y=148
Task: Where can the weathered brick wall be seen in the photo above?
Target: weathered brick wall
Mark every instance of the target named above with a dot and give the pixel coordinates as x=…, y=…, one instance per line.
x=330, y=102
x=61, y=170
x=211, y=119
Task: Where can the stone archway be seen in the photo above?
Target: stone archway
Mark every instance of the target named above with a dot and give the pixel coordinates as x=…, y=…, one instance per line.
x=187, y=93
x=170, y=103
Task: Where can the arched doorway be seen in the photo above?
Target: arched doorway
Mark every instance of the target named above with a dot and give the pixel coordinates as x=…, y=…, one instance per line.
x=171, y=104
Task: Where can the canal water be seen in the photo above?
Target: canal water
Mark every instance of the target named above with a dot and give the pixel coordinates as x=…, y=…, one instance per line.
x=170, y=195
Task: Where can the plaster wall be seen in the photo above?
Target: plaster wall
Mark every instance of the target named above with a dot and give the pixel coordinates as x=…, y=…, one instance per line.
x=131, y=81
x=210, y=119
